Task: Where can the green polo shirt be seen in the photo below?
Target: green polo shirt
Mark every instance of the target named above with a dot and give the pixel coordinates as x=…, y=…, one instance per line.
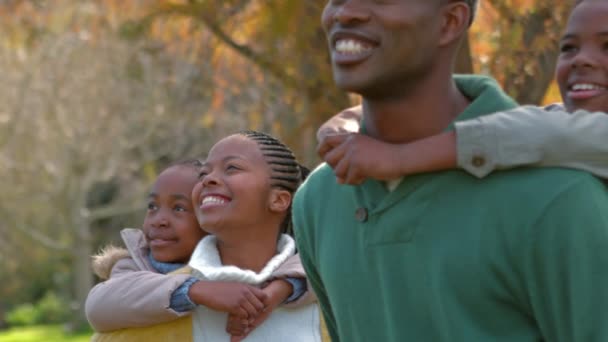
x=519, y=256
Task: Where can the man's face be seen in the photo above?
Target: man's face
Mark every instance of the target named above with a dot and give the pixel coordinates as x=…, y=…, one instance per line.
x=376, y=46
x=582, y=66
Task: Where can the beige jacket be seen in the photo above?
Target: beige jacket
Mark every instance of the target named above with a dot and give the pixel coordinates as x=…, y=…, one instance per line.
x=534, y=136
x=134, y=294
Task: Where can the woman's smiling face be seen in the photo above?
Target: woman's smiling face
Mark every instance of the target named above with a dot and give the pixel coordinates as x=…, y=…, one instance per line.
x=233, y=187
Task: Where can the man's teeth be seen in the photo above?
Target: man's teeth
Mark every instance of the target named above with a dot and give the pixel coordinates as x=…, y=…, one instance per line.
x=213, y=200
x=585, y=86
x=349, y=46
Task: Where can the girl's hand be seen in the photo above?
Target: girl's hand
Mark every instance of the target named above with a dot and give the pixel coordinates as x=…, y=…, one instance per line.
x=276, y=292
x=241, y=300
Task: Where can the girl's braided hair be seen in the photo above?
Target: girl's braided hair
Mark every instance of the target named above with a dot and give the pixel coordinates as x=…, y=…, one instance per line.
x=285, y=171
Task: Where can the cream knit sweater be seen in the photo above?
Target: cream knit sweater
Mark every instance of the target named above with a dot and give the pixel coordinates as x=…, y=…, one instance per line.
x=300, y=324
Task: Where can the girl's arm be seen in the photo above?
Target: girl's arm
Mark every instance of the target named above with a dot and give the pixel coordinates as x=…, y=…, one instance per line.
x=293, y=272
x=132, y=298
x=533, y=136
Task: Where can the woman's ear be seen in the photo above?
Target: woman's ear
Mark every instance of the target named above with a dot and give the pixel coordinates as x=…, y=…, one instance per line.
x=279, y=200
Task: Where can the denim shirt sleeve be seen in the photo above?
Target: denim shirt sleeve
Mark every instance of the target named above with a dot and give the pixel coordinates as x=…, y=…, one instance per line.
x=180, y=301
x=299, y=288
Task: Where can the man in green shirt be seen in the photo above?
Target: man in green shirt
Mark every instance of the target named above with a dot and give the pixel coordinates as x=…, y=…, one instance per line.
x=518, y=256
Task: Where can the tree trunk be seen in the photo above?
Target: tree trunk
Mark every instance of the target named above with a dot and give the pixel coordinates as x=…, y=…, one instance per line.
x=83, y=276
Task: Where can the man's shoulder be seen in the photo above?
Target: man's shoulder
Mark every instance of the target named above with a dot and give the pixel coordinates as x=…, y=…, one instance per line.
x=320, y=184
x=543, y=185
x=321, y=176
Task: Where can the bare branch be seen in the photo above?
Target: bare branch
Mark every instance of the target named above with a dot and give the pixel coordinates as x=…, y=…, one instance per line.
x=207, y=16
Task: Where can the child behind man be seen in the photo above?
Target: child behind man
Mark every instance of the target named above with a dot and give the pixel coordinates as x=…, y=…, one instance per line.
x=574, y=137
x=139, y=292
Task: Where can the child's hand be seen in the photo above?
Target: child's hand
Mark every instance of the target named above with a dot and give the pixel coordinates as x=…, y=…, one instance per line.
x=355, y=157
x=238, y=327
x=238, y=299
x=346, y=121
x=277, y=292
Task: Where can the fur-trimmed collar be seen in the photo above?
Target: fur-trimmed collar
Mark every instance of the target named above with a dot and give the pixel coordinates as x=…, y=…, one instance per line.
x=105, y=260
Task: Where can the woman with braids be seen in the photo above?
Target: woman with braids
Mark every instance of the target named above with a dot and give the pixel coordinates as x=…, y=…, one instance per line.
x=243, y=199
x=238, y=276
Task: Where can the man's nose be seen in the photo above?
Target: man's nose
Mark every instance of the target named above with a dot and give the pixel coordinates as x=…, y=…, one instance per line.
x=351, y=11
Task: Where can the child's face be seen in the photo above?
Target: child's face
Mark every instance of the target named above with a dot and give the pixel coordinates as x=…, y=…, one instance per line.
x=234, y=187
x=582, y=66
x=170, y=225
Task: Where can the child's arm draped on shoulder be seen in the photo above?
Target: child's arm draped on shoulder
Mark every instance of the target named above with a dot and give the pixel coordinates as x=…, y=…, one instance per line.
x=355, y=157
x=132, y=298
x=534, y=136
x=523, y=136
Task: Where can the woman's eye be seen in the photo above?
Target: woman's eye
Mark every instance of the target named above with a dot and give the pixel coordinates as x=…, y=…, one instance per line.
x=202, y=175
x=151, y=206
x=179, y=208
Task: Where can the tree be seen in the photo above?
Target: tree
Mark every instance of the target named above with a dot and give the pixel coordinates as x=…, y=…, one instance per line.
x=83, y=112
x=517, y=42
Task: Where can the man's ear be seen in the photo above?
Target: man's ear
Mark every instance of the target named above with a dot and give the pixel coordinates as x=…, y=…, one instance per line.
x=279, y=200
x=455, y=22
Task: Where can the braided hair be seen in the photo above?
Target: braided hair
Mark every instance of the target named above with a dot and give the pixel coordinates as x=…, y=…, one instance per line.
x=285, y=171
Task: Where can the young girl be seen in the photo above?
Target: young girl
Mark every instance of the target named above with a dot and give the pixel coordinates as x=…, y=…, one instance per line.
x=244, y=200
x=574, y=137
x=138, y=291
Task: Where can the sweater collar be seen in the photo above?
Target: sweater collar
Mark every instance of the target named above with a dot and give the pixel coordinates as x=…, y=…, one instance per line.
x=485, y=94
x=206, y=262
x=486, y=97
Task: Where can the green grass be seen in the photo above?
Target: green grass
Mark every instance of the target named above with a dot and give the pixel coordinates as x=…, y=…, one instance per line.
x=38, y=333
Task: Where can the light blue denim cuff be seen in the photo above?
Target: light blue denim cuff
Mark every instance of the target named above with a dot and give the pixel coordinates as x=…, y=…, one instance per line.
x=180, y=301
x=299, y=288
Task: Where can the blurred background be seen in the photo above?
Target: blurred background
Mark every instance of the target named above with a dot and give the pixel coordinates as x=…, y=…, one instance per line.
x=98, y=95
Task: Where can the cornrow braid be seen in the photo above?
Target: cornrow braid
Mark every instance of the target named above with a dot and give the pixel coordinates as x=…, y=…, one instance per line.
x=285, y=171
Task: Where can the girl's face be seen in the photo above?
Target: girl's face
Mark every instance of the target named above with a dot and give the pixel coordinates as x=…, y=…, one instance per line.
x=170, y=226
x=234, y=187
x=582, y=66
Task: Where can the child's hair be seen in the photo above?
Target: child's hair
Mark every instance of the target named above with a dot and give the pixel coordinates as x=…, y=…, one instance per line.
x=193, y=163
x=285, y=171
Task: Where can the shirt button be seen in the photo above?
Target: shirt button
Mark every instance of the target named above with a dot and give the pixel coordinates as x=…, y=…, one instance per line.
x=478, y=161
x=361, y=214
